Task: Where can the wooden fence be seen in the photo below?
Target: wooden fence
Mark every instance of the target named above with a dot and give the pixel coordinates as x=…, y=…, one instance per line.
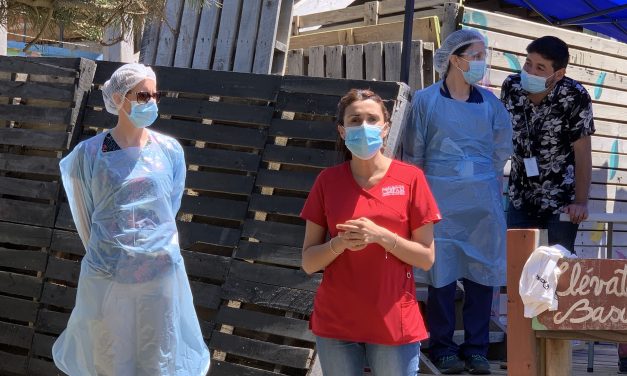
x=228, y=35
x=40, y=104
x=601, y=66
x=254, y=145
x=371, y=61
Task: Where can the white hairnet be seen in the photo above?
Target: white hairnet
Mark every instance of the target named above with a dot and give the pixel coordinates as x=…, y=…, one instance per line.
x=451, y=44
x=122, y=80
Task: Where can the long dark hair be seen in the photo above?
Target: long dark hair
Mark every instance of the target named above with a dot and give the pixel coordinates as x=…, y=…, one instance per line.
x=355, y=95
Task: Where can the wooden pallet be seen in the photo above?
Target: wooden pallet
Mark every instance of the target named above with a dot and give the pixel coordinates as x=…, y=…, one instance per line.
x=379, y=61
x=234, y=35
x=40, y=101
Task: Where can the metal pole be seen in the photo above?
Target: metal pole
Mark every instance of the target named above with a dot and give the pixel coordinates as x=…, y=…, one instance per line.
x=408, y=26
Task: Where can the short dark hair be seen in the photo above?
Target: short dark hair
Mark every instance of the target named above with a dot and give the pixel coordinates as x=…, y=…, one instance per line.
x=551, y=48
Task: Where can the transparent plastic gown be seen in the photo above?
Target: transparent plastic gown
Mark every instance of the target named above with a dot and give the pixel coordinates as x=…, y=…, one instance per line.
x=462, y=148
x=134, y=314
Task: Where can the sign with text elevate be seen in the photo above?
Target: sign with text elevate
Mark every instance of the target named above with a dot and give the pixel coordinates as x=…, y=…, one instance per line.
x=592, y=295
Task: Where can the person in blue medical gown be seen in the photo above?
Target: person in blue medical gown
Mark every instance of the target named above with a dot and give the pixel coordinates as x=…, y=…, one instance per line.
x=461, y=136
x=134, y=314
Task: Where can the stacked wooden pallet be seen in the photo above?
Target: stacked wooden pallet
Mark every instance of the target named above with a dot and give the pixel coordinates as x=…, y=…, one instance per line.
x=601, y=66
x=234, y=35
x=379, y=61
x=40, y=102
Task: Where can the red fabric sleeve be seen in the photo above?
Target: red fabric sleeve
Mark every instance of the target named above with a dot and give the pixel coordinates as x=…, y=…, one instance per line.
x=423, y=208
x=313, y=210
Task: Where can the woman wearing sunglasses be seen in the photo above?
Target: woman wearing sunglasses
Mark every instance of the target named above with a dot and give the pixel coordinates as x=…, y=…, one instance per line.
x=134, y=313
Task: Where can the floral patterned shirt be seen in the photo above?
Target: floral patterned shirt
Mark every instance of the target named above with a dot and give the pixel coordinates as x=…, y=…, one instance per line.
x=547, y=132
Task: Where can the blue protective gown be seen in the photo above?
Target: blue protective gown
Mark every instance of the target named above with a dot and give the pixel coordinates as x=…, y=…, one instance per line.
x=134, y=313
x=462, y=148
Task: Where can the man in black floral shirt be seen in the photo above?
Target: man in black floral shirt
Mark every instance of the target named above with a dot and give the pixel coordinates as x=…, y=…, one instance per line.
x=552, y=162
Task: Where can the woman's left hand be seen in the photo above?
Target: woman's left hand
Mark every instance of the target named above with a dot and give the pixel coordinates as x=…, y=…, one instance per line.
x=362, y=227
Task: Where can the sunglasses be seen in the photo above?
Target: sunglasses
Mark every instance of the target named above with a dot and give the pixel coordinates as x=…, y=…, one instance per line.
x=144, y=96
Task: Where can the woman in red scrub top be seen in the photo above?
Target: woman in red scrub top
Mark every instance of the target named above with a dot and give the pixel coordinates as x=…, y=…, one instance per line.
x=379, y=214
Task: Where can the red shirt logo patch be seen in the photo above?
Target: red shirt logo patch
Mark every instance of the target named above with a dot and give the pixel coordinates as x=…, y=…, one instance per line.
x=393, y=190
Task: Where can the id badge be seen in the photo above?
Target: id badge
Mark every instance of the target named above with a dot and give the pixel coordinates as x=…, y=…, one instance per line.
x=531, y=167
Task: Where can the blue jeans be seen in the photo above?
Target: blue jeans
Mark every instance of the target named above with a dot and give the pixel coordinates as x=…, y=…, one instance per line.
x=343, y=358
x=563, y=233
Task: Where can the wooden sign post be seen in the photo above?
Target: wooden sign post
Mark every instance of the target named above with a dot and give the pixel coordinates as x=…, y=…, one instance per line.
x=592, y=306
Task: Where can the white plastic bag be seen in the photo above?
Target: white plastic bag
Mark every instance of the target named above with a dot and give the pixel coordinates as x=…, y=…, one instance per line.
x=538, y=281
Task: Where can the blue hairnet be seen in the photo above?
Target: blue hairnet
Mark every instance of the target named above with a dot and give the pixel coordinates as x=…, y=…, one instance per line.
x=451, y=44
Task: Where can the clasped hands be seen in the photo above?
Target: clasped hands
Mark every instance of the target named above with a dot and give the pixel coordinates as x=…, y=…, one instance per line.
x=356, y=234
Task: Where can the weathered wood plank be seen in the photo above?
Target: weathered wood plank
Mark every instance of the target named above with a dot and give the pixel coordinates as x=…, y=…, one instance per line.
x=184, y=53
x=215, y=134
x=20, y=284
x=219, y=368
x=304, y=129
x=28, y=188
x=51, y=321
x=25, y=235
x=392, y=55
x=300, y=156
x=40, y=66
x=373, y=53
x=37, y=90
x=35, y=114
x=218, y=182
x=29, y=163
x=247, y=37
x=62, y=269
x=293, y=300
x=13, y=364
x=266, y=37
x=205, y=295
x=29, y=213
x=277, y=204
x=228, y=84
x=274, y=232
x=416, y=74
x=58, y=295
x=16, y=335
x=192, y=233
x=355, y=62
x=334, y=56
x=289, y=180
x=205, y=265
x=269, y=352
x=225, y=45
x=41, y=367
x=265, y=323
x=274, y=275
x=224, y=159
x=206, y=37
x=239, y=113
x=269, y=253
x=23, y=259
x=167, y=36
x=68, y=242
x=42, y=345
x=214, y=207
x=18, y=309
x=150, y=41
x=337, y=88
x=296, y=62
x=314, y=104
x=38, y=139
x=316, y=61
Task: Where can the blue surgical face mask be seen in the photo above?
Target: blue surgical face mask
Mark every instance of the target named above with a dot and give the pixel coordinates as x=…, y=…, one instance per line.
x=144, y=114
x=363, y=141
x=475, y=72
x=533, y=84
